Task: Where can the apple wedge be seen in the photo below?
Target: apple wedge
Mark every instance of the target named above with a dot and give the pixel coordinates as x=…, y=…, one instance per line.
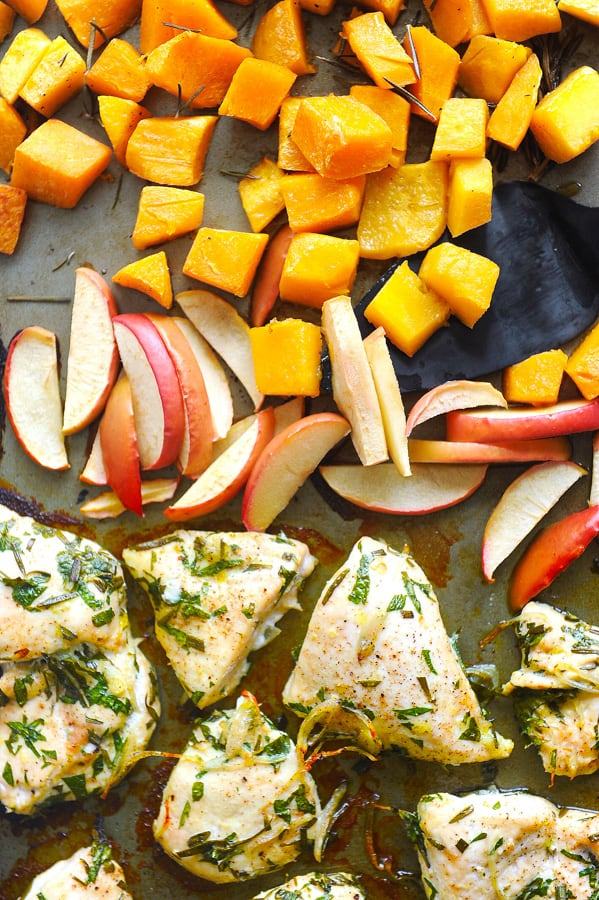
x=451, y=396
x=32, y=397
x=235, y=431
x=215, y=378
x=157, y=400
x=108, y=505
x=227, y=474
x=266, y=285
x=505, y=452
x=382, y=489
x=94, y=471
x=522, y=506
x=353, y=385
x=93, y=354
x=594, y=496
x=285, y=464
x=552, y=551
x=226, y=332
x=489, y=426
x=118, y=442
x=387, y=389
x=288, y=413
x=195, y=454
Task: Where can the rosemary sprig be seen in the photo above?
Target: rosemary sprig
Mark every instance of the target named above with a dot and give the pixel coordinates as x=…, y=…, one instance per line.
x=186, y=104
x=26, y=299
x=413, y=54
x=408, y=95
x=65, y=262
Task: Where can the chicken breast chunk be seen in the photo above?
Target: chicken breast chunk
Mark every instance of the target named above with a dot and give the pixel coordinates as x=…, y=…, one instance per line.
x=90, y=872
x=317, y=886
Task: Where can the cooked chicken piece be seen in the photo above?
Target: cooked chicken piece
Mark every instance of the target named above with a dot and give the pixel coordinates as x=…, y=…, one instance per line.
x=90, y=872
x=377, y=667
x=317, y=886
x=55, y=586
x=239, y=800
x=216, y=598
x=513, y=846
x=72, y=723
x=565, y=727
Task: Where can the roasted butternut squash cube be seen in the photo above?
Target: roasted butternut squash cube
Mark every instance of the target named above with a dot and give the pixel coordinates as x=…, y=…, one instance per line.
x=536, y=380
x=439, y=65
x=341, y=137
x=519, y=20
x=256, y=92
x=192, y=63
x=378, y=50
x=404, y=210
x=480, y=23
x=318, y=7
x=319, y=204
x=583, y=365
x=225, y=259
x=170, y=150
x=150, y=276
x=260, y=194
x=511, y=118
x=12, y=132
x=290, y=156
x=318, y=267
x=462, y=129
x=7, y=19
x=30, y=10
x=470, y=195
x=389, y=8
x=165, y=213
x=455, y=22
x=13, y=201
x=464, y=280
x=201, y=15
x=586, y=10
x=489, y=66
x=280, y=38
x=119, y=71
x=58, y=76
x=57, y=164
x=111, y=16
x=392, y=108
x=287, y=358
x=120, y=118
x=409, y=312
x=19, y=61
x=566, y=121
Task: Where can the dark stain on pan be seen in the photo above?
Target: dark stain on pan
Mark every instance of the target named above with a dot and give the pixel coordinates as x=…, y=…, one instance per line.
x=27, y=506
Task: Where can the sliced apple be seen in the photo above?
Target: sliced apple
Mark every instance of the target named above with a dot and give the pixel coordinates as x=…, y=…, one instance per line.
x=522, y=506
x=392, y=408
x=288, y=413
x=594, y=497
x=157, y=400
x=453, y=395
x=489, y=426
x=227, y=474
x=93, y=354
x=382, y=489
x=119, y=445
x=108, y=505
x=353, y=385
x=94, y=471
x=503, y=452
x=286, y=463
x=195, y=454
x=32, y=396
x=226, y=332
x=235, y=431
x=266, y=284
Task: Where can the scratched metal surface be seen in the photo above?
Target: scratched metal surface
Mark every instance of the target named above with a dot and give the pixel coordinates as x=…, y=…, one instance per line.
x=447, y=545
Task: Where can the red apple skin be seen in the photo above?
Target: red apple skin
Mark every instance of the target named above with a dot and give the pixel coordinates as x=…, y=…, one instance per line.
x=552, y=551
x=119, y=447
x=524, y=425
x=266, y=286
x=424, y=451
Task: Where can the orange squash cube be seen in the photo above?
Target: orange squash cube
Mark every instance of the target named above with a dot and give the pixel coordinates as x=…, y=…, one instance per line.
x=170, y=150
x=439, y=65
x=199, y=15
x=58, y=76
x=520, y=20
x=165, y=213
x=536, y=380
x=7, y=19
x=462, y=129
x=318, y=7
x=150, y=276
x=260, y=194
x=280, y=38
x=341, y=137
x=566, y=121
x=111, y=16
x=12, y=132
x=225, y=259
x=455, y=21
x=489, y=66
x=57, y=164
x=378, y=50
x=464, y=280
x=30, y=10
x=120, y=118
x=392, y=108
x=13, y=201
x=409, y=312
x=511, y=118
x=470, y=195
x=119, y=71
x=287, y=358
x=319, y=204
x=480, y=23
x=583, y=365
x=586, y=10
x=257, y=107
x=389, y=8
x=318, y=267
x=290, y=156
x=19, y=61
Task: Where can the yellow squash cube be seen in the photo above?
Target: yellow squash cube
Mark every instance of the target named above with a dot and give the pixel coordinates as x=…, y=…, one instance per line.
x=225, y=259
x=257, y=107
x=511, y=118
x=535, y=380
x=280, y=37
x=290, y=156
x=586, y=10
x=583, y=365
x=260, y=194
x=12, y=133
x=390, y=107
x=12, y=211
x=7, y=18
x=470, y=195
x=462, y=129
x=519, y=20
x=287, y=358
x=30, y=10
x=197, y=15
x=170, y=150
x=489, y=66
x=58, y=76
x=439, y=65
x=120, y=119
x=111, y=17
x=456, y=21
x=119, y=71
x=314, y=203
x=318, y=267
x=465, y=280
x=150, y=276
x=166, y=213
x=566, y=121
x=378, y=50
x=408, y=311
x=19, y=61
x=389, y=8
x=318, y=7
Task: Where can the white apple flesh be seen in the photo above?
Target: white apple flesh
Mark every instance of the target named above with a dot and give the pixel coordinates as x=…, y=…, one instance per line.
x=94, y=471
x=108, y=506
x=391, y=403
x=288, y=413
x=215, y=378
x=451, y=396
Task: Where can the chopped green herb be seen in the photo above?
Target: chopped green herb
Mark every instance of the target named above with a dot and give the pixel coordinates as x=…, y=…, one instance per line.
x=103, y=618
x=427, y=658
x=101, y=853
x=184, y=814
x=77, y=785
x=7, y=774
